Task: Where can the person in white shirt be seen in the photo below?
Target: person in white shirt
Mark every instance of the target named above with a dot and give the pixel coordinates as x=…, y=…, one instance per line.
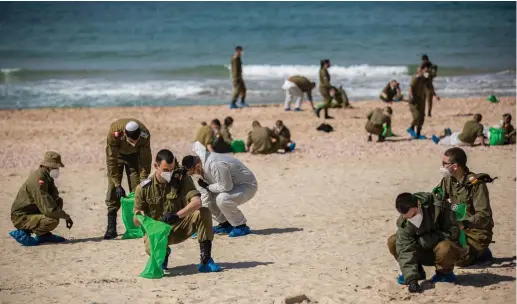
x=225, y=183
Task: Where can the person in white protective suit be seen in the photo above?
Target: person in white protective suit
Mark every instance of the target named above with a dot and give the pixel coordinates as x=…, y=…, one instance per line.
x=225, y=183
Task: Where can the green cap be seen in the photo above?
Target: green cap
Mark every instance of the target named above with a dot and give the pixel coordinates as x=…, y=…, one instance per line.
x=492, y=99
x=52, y=160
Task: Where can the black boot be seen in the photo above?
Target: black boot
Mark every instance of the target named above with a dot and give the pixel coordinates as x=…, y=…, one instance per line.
x=381, y=138
x=418, y=130
x=205, y=249
x=369, y=137
x=111, y=231
x=327, y=114
x=318, y=111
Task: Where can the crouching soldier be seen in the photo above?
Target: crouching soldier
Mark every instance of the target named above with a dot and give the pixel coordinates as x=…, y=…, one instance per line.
x=171, y=197
x=427, y=235
x=38, y=208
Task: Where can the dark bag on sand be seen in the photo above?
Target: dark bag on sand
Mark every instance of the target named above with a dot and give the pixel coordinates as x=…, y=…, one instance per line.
x=325, y=128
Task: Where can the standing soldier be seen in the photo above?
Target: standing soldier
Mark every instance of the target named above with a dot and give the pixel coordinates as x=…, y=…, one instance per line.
x=38, y=208
x=326, y=89
x=128, y=148
x=417, y=91
x=170, y=196
x=294, y=88
x=468, y=191
x=376, y=121
x=430, y=93
x=239, y=88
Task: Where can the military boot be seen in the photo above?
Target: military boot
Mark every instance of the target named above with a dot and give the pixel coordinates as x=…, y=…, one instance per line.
x=381, y=138
x=111, y=231
x=327, y=116
x=207, y=263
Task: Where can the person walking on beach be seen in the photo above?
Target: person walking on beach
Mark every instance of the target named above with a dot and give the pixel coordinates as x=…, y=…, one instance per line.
x=128, y=148
x=239, y=88
x=38, y=207
x=417, y=91
x=170, y=196
x=294, y=88
x=326, y=89
x=225, y=183
x=429, y=92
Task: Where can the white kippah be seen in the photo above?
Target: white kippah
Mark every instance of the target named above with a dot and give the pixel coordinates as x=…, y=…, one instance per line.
x=132, y=126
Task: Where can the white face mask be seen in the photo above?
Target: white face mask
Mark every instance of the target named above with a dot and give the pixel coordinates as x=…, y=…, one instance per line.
x=167, y=176
x=417, y=220
x=445, y=172
x=426, y=75
x=54, y=173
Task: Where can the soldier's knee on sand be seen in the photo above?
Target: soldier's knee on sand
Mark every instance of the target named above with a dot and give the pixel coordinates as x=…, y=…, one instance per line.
x=392, y=245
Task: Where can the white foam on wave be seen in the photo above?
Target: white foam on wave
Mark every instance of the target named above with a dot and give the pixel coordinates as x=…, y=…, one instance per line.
x=283, y=71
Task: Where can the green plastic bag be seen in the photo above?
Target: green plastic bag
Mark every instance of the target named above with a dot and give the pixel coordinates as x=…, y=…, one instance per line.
x=496, y=137
x=158, y=233
x=132, y=231
x=492, y=99
x=386, y=132
x=238, y=146
x=460, y=210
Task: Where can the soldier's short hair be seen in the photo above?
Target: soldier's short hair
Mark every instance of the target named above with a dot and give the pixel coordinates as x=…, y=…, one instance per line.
x=405, y=201
x=216, y=122
x=425, y=57
x=457, y=156
x=279, y=123
x=478, y=117
x=164, y=155
x=255, y=124
x=389, y=110
x=507, y=115
x=228, y=121
x=238, y=48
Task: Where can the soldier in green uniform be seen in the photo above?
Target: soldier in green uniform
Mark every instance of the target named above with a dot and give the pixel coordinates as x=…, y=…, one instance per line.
x=326, y=89
x=468, y=190
x=341, y=99
x=391, y=92
x=427, y=235
x=170, y=196
x=262, y=139
x=376, y=121
x=37, y=207
x=284, y=136
x=429, y=92
x=225, y=130
x=508, y=129
x=417, y=91
x=220, y=145
x=239, y=88
x=128, y=147
x=295, y=87
x=205, y=135
x=472, y=130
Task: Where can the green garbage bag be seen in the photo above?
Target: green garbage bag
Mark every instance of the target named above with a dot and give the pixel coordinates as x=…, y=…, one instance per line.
x=492, y=99
x=496, y=137
x=132, y=231
x=238, y=146
x=386, y=132
x=158, y=234
x=459, y=212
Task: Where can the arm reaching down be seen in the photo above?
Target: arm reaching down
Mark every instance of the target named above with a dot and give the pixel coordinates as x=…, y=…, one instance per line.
x=223, y=178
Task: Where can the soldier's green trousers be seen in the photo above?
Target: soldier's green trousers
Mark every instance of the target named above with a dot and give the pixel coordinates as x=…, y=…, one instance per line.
x=325, y=93
x=370, y=128
x=429, y=94
x=418, y=113
x=130, y=164
x=443, y=256
x=239, y=89
x=478, y=241
x=36, y=223
x=200, y=221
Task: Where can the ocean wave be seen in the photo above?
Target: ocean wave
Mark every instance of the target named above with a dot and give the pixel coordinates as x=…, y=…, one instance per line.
x=336, y=71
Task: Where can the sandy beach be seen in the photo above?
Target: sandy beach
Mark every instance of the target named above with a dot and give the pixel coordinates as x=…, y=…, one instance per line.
x=320, y=219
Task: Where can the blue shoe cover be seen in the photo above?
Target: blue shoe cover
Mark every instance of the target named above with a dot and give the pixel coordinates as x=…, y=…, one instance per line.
x=222, y=230
x=292, y=146
x=435, y=139
x=194, y=236
x=240, y=231
x=211, y=266
x=400, y=279
x=287, y=110
x=244, y=105
x=166, y=261
x=444, y=278
x=232, y=106
x=23, y=238
x=49, y=238
x=421, y=137
x=411, y=132
x=298, y=110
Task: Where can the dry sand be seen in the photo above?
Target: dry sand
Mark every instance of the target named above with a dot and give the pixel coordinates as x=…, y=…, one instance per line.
x=321, y=217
